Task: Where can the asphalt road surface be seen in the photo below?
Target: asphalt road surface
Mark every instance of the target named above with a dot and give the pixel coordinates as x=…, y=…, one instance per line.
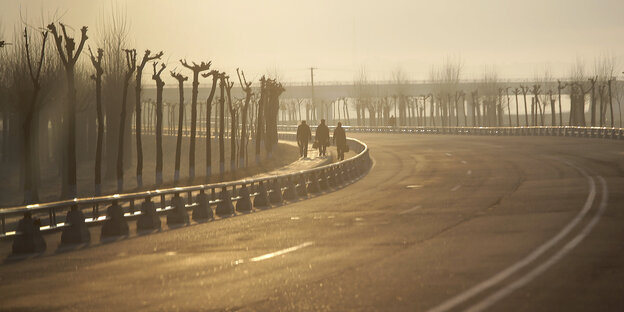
x=440, y=223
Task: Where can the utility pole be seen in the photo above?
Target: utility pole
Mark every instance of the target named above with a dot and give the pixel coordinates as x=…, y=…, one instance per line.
x=312, y=84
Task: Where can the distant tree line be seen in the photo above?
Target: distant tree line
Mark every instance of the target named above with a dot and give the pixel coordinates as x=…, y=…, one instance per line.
x=58, y=108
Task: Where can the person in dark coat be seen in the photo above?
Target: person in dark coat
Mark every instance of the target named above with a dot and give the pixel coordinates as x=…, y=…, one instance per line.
x=340, y=139
x=303, y=136
x=322, y=137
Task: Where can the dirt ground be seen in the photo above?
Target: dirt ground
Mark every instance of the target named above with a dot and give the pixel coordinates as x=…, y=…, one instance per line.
x=50, y=185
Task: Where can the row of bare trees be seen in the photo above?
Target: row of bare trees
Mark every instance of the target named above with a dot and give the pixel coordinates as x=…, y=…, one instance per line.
x=490, y=101
x=32, y=107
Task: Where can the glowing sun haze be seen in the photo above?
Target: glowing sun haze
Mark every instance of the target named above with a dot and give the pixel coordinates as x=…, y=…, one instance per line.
x=518, y=38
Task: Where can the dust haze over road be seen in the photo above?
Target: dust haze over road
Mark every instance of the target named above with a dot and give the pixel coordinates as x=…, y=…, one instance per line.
x=440, y=223
x=144, y=166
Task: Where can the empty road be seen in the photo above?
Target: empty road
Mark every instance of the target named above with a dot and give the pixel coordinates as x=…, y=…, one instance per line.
x=440, y=223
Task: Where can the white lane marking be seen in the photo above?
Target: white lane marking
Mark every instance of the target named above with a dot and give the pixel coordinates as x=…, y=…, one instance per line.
x=410, y=210
x=415, y=186
x=502, y=293
x=469, y=172
x=475, y=290
x=281, y=252
x=455, y=188
x=449, y=154
x=464, y=162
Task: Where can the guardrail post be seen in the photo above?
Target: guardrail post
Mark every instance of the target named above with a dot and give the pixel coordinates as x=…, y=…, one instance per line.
x=332, y=177
x=275, y=197
x=202, y=211
x=243, y=204
x=149, y=219
x=339, y=173
x=290, y=193
x=28, y=238
x=224, y=206
x=262, y=198
x=115, y=224
x=323, y=181
x=178, y=215
x=302, y=188
x=313, y=187
x=76, y=232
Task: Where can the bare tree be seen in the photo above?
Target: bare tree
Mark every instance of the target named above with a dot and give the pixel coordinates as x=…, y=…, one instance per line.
x=560, y=87
x=69, y=57
x=30, y=128
x=222, y=84
x=525, y=90
x=147, y=57
x=96, y=61
x=181, y=79
x=196, y=68
x=160, y=84
x=131, y=67
x=233, y=121
x=246, y=86
x=215, y=79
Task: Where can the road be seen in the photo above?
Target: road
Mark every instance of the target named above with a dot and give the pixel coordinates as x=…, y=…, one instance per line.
x=440, y=223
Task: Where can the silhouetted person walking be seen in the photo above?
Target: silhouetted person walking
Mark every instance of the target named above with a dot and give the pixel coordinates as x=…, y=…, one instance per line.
x=340, y=139
x=322, y=137
x=303, y=136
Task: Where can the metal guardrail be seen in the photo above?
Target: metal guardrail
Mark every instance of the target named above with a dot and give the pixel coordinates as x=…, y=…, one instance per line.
x=570, y=131
x=318, y=178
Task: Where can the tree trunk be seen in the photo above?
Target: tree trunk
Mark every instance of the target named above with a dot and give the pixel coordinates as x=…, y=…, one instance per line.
x=221, y=128
x=100, y=135
x=215, y=78
x=122, y=126
x=176, y=173
x=193, y=125
x=159, y=125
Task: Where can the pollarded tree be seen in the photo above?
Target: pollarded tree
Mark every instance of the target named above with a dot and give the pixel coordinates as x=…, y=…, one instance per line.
x=246, y=86
x=260, y=117
x=196, y=68
x=181, y=79
x=516, y=92
x=234, y=120
x=537, y=89
x=69, y=56
x=139, y=146
x=222, y=84
x=560, y=87
x=97, y=77
x=160, y=84
x=215, y=79
x=30, y=123
x=525, y=90
x=131, y=67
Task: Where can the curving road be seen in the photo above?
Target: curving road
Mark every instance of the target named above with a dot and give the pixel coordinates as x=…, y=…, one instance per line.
x=440, y=223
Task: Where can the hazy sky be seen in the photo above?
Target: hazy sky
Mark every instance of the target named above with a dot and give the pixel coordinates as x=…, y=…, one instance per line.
x=517, y=38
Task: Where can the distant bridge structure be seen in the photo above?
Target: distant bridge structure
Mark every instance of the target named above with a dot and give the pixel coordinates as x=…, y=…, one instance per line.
x=330, y=91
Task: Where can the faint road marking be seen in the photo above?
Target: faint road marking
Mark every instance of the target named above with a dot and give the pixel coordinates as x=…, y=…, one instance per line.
x=415, y=186
x=410, y=210
x=469, y=172
x=464, y=162
x=280, y=252
x=502, y=293
x=449, y=154
x=502, y=275
x=455, y=188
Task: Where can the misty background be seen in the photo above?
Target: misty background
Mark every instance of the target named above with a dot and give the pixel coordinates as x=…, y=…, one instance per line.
x=518, y=39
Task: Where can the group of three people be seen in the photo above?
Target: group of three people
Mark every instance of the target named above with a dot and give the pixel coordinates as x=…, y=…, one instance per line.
x=304, y=135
